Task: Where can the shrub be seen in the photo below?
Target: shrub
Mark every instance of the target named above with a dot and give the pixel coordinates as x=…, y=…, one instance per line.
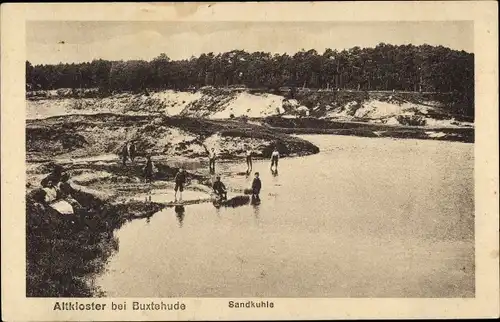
x=411, y=120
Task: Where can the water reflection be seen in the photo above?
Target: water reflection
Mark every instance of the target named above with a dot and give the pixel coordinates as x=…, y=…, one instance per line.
x=179, y=213
x=274, y=172
x=217, y=209
x=256, y=209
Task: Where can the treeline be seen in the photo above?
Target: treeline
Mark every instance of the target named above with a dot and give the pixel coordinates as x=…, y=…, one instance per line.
x=385, y=67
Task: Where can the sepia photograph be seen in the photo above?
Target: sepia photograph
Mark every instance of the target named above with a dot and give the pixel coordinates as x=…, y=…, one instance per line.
x=165, y=161
x=237, y=159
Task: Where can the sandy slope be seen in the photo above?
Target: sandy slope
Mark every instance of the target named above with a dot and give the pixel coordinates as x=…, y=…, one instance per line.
x=392, y=109
x=251, y=105
x=77, y=136
x=175, y=102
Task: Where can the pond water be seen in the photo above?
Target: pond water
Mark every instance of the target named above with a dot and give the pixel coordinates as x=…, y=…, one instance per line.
x=366, y=217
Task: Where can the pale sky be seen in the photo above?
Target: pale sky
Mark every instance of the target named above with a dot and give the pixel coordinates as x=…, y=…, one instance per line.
x=85, y=41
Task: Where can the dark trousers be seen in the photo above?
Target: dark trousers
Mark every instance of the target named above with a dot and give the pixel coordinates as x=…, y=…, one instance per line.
x=211, y=165
x=274, y=162
x=249, y=162
x=255, y=199
x=221, y=193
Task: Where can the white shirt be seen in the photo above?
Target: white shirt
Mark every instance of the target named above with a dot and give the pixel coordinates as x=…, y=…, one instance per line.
x=211, y=154
x=276, y=154
x=50, y=194
x=249, y=153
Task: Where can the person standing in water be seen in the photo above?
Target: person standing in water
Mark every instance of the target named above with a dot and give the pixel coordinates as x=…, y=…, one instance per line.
x=256, y=186
x=180, y=180
x=211, y=160
x=274, y=159
x=249, y=159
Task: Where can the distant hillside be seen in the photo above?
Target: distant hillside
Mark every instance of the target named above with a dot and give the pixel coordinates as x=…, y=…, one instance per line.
x=392, y=108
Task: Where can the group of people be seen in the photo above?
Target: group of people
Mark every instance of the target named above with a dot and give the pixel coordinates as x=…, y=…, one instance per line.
x=180, y=177
x=220, y=190
x=275, y=155
x=56, y=187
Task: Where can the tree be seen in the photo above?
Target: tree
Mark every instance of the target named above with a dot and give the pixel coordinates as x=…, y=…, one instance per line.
x=384, y=67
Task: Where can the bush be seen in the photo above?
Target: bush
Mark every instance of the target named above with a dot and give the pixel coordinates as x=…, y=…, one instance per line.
x=411, y=120
x=231, y=116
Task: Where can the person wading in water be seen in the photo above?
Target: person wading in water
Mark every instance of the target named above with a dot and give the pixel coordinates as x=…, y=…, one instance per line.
x=211, y=160
x=256, y=186
x=180, y=180
x=274, y=159
x=249, y=159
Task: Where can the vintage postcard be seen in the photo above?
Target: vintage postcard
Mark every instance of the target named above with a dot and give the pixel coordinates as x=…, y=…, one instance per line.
x=249, y=161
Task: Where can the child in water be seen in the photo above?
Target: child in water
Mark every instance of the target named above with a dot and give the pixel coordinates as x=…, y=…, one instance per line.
x=180, y=180
x=211, y=160
x=249, y=159
x=256, y=186
x=274, y=159
x=220, y=189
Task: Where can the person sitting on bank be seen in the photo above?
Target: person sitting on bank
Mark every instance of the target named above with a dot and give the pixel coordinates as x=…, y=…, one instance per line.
x=66, y=192
x=50, y=192
x=54, y=177
x=180, y=180
x=220, y=189
x=256, y=186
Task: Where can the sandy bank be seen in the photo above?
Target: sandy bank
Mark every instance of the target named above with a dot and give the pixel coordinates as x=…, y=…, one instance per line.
x=394, y=108
x=92, y=135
